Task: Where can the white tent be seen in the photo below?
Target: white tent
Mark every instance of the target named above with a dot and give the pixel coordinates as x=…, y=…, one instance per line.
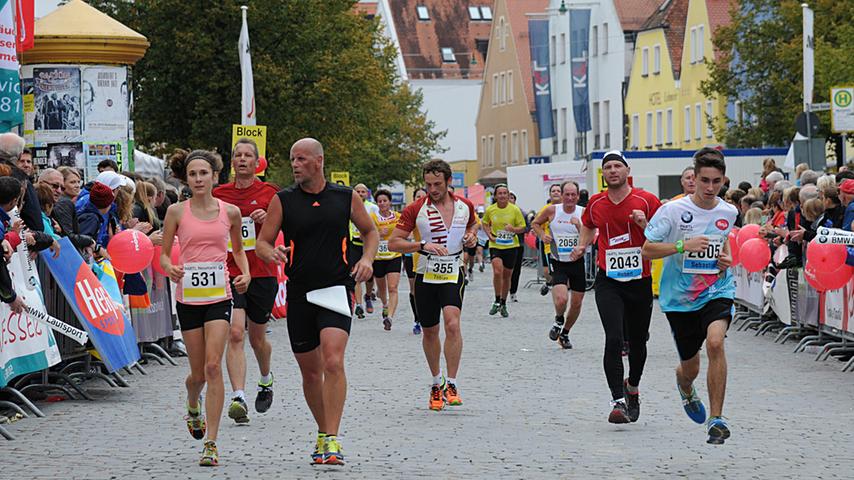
x=147, y=165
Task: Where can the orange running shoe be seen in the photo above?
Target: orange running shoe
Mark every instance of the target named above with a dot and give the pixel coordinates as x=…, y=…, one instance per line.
x=452, y=396
x=437, y=399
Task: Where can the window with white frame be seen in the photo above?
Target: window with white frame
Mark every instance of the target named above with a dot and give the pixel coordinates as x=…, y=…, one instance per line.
x=502, y=32
x=504, y=150
x=553, y=51
x=594, y=41
x=659, y=128
x=656, y=59
x=594, y=120
x=502, y=88
x=448, y=55
x=474, y=13
x=524, y=146
x=562, y=48
x=701, y=47
x=556, y=136
x=423, y=13
x=670, y=126
x=564, y=129
x=645, y=61
x=514, y=143
x=709, y=118
x=693, y=45
x=483, y=150
x=510, y=86
x=495, y=89
x=604, y=44
x=698, y=121
x=687, y=126
x=486, y=13
x=606, y=124
x=491, y=156
x=648, y=129
x=635, y=131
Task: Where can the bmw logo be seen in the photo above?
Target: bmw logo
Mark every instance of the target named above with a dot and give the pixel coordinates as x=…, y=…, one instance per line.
x=687, y=217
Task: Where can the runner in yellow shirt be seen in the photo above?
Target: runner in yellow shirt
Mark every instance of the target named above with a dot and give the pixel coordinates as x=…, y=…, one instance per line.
x=502, y=222
x=387, y=264
x=546, y=249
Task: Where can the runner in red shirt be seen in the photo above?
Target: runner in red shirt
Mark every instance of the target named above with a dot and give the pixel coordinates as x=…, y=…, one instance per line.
x=251, y=196
x=623, y=284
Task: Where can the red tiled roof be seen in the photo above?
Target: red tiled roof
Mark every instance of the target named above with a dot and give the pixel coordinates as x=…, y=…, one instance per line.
x=633, y=13
x=517, y=10
x=671, y=16
x=449, y=26
x=366, y=8
x=719, y=15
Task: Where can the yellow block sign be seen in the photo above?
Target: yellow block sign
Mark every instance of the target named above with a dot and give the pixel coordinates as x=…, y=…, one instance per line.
x=341, y=178
x=258, y=133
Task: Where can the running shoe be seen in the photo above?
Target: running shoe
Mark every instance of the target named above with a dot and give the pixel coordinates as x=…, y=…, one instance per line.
x=385, y=311
x=210, y=457
x=556, y=329
x=513, y=298
x=264, y=400
x=544, y=290
x=374, y=296
x=718, y=430
x=480, y=268
x=386, y=323
x=619, y=412
x=625, y=351
x=238, y=411
x=494, y=309
x=369, y=304
x=359, y=312
x=693, y=405
x=504, y=312
x=437, y=399
x=332, y=454
x=319, y=449
x=452, y=396
x=196, y=423
x=416, y=329
x=563, y=340
x=632, y=402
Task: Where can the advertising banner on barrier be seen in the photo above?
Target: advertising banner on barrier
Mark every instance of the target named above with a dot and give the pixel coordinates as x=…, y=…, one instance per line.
x=26, y=345
x=101, y=315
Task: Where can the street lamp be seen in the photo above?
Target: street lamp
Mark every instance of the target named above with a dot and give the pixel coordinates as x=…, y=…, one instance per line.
x=562, y=8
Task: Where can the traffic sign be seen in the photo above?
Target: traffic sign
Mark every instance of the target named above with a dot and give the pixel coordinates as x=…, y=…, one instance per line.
x=842, y=109
x=801, y=124
x=539, y=160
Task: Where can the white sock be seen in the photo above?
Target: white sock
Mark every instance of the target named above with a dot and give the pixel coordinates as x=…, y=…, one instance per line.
x=266, y=379
x=452, y=381
x=239, y=393
x=437, y=379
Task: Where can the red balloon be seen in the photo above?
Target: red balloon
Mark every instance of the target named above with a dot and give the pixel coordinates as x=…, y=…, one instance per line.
x=130, y=251
x=733, y=246
x=754, y=254
x=824, y=281
x=262, y=165
x=747, y=232
x=158, y=250
x=530, y=240
x=826, y=257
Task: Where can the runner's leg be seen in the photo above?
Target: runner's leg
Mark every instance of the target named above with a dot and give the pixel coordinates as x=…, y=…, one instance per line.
x=637, y=320
x=576, y=298
x=194, y=340
x=717, y=376
x=453, y=339
x=261, y=346
x=498, y=277
x=311, y=368
x=382, y=290
x=560, y=296
x=333, y=342
x=235, y=358
x=392, y=285
x=517, y=271
x=216, y=336
x=609, y=302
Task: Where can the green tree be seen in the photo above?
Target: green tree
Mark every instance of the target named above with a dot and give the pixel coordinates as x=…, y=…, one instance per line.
x=761, y=65
x=320, y=68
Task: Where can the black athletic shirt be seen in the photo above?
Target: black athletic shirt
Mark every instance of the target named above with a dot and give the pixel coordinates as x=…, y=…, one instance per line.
x=316, y=227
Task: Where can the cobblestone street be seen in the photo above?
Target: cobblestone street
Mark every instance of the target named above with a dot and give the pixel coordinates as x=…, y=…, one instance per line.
x=531, y=410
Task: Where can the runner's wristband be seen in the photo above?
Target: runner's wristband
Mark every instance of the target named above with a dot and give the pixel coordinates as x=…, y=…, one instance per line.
x=680, y=246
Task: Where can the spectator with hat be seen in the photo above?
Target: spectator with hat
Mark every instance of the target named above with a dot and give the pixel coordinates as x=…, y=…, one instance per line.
x=96, y=217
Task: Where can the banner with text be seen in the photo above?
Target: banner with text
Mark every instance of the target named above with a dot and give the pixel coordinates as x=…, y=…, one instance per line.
x=539, y=38
x=579, y=34
x=11, y=103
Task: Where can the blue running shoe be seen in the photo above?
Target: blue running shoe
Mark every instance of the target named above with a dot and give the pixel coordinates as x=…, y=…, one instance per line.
x=416, y=329
x=693, y=405
x=718, y=430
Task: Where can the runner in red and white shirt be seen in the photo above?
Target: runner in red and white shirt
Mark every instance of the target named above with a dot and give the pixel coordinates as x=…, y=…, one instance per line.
x=443, y=224
x=623, y=284
x=251, y=196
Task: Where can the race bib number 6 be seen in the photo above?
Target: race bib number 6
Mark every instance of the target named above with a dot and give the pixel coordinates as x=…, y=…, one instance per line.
x=247, y=233
x=203, y=282
x=442, y=269
x=624, y=264
x=705, y=262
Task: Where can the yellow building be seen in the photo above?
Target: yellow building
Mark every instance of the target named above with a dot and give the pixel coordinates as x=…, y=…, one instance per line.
x=469, y=168
x=664, y=105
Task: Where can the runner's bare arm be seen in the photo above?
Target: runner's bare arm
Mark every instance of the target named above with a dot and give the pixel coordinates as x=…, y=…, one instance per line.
x=653, y=250
x=241, y=282
x=264, y=246
x=725, y=258
x=585, y=238
x=538, y=224
x=363, y=270
x=170, y=226
x=400, y=242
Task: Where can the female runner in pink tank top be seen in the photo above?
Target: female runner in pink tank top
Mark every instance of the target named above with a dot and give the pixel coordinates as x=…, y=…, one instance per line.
x=203, y=226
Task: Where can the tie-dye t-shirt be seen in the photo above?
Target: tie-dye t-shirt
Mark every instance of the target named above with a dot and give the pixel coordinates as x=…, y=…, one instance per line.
x=690, y=280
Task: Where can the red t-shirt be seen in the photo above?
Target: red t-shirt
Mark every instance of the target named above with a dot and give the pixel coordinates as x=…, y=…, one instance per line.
x=616, y=228
x=258, y=195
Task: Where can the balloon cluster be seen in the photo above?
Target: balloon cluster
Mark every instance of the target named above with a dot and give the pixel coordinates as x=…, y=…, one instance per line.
x=826, y=254
x=748, y=248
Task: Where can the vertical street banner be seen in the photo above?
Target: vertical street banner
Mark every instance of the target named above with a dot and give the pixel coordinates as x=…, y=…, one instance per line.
x=539, y=38
x=11, y=103
x=579, y=34
x=809, y=55
x=25, y=19
x=101, y=314
x=105, y=104
x=26, y=345
x=57, y=104
x=247, y=84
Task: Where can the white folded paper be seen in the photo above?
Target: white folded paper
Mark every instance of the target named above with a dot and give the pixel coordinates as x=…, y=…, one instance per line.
x=331, y=298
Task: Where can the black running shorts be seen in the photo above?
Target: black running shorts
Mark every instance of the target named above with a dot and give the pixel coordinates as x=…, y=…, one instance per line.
x=409, y=266
x=306, y=320
x=354, y=253
x=384, y=267
x=690, y=328
x=258, y=300
x=472, y=251
x=191, y=317
x=431, y=298
x=507, y=256
x=569, y=273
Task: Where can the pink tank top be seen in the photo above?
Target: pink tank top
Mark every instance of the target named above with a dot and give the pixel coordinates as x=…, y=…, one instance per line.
x=204, y=252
